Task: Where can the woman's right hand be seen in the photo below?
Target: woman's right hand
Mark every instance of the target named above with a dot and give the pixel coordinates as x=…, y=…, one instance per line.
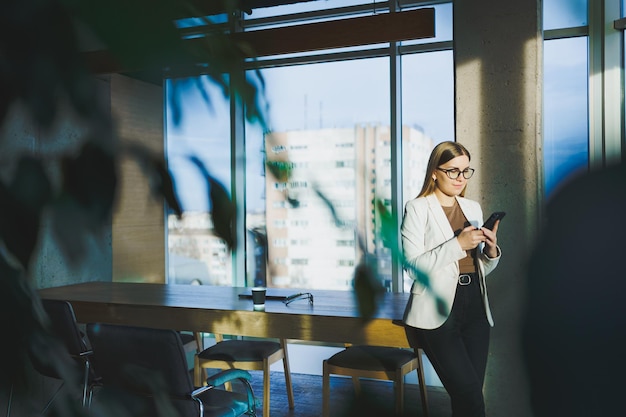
x=470, y=237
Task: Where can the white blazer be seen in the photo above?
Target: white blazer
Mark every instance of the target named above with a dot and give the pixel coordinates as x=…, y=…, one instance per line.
x=429, y=246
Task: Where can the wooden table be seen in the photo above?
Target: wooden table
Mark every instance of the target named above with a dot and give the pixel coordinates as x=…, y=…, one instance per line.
x=332, y=318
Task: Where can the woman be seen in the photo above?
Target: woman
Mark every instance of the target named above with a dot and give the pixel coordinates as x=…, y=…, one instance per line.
x=448, y=314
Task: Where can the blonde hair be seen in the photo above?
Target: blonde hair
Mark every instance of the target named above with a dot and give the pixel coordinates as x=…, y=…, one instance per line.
x=442, y=153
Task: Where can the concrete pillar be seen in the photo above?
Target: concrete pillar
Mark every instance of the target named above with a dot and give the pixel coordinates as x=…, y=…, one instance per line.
x=498, y=76
x=138, y=229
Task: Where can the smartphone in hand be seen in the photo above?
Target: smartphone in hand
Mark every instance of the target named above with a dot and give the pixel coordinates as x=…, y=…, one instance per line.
x=491, y=221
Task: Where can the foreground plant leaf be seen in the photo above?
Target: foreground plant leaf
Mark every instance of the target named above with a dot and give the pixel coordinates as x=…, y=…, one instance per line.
x=21, y=208
x=91, y=179
x=367, y=287
x=159, y=177
x=223, y=209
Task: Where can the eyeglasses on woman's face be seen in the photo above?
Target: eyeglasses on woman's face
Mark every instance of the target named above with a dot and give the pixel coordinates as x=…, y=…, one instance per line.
x=455, y=172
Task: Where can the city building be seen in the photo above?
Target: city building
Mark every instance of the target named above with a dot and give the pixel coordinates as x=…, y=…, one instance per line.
x=323, y=217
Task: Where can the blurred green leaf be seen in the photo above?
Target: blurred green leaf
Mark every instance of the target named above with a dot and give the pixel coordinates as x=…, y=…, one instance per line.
x=367, y=287
x=223, y=213
x=329, y=205
x=16, y=320
x=42, y=70
x=31, y=185
x=388, y=222
x=223, y=209
x=71, y=226
x=159, y=177
x=22, y=204
x=139, y=33
x=91, y=179
x=40, y=57
x=281, y=170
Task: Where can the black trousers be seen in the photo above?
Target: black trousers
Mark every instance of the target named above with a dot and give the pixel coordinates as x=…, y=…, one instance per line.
x=458, y=350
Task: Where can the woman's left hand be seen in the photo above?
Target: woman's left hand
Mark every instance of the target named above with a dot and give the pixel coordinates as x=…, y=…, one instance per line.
x=491, y=241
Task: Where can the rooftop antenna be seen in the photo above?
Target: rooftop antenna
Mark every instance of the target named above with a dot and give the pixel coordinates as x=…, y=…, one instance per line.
x=321, y=124
x=305, y=111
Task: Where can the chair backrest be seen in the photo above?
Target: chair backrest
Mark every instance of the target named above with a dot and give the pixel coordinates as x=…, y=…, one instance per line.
x=140, y=359
x=64, y=326
x=68, y=340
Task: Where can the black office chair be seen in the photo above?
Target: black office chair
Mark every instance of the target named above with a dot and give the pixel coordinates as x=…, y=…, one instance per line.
x=142, y=367
x=63, y=326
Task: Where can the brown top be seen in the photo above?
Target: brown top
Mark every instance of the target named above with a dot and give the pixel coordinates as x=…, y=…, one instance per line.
x=458, y=222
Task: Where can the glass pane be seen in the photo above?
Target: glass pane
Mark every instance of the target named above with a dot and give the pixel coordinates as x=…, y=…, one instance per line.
x=329, y=127
x=427, y=110
x=427, y=115
x=195, y=254
x=565, y=99
x=559, y=14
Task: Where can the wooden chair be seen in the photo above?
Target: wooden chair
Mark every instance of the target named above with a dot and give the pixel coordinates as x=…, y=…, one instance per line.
x=192, y=341
x=250, y=355
x=375, y=362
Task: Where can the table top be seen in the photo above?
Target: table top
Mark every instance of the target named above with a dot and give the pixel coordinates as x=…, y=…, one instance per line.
x=333, y=317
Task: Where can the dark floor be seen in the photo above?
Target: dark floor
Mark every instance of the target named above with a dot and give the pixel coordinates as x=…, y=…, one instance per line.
x=376, y=399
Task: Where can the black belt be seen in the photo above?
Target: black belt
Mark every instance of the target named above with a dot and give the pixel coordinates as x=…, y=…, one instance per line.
x=466, y=279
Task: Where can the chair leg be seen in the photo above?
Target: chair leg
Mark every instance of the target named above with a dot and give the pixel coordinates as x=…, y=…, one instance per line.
x=287, y=370
x=422, y=381
x=356, y=383
x=199, y=338
x=398, y=388
x=325, y=390
x=266, y=388
x=9, y=401
x=197, y=372
x=86, y=401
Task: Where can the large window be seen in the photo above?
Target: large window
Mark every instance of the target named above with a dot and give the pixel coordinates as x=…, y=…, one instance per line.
x=314, y=177
x=428, y=117
x=330, y=123
x=566, y=139
x=583, y=87
x=195, y=254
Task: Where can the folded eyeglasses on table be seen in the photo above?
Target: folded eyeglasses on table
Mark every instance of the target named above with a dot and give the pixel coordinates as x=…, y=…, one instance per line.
x=300, y=296
x=286, y=299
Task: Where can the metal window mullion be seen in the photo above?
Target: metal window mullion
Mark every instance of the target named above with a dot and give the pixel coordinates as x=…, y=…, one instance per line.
x=238, y=181
x=596, y=87
x=395, y=89
x=166, y=254
x=613, y=84
x=573, y=32
x=318, y=58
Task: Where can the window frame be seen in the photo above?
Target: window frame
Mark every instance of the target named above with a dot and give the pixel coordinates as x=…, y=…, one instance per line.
x=605, y=87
